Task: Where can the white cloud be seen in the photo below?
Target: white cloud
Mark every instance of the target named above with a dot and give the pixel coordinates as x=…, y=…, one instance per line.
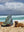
x=19, y=5
x=2, y=8
x=12, y=5
x=2, y=1
x=15, y=5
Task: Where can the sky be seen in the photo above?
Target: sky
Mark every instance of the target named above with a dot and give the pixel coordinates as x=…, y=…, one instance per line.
x=11, y=7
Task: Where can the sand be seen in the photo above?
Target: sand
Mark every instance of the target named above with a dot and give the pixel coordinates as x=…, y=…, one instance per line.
x=11, y=29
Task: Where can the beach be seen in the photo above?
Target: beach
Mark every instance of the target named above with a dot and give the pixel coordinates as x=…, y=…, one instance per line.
x=11, y=29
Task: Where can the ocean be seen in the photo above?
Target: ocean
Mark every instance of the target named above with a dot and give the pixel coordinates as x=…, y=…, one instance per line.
x=14, y=17
x=19, y=18
x=3, y=18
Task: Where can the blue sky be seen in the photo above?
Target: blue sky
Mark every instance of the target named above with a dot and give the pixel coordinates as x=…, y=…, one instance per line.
x=20, y=1
x=11, y=6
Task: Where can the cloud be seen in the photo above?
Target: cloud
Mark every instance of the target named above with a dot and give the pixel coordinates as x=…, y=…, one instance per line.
x=12, y=8
x=1, y=7
x=20, y=6
x=11, y=5
x=3, y=1
x=14, y=5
